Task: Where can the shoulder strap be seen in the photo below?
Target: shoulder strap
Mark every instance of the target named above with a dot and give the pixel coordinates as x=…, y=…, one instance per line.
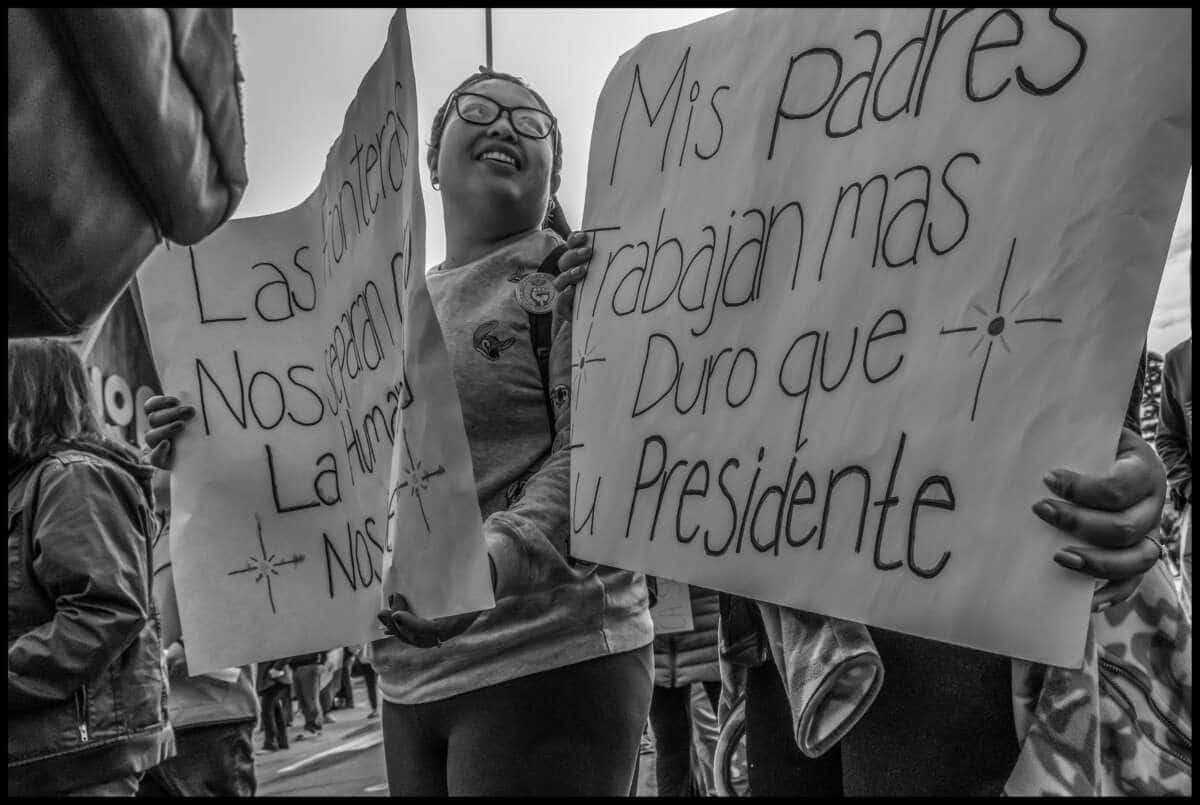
x=539, y=334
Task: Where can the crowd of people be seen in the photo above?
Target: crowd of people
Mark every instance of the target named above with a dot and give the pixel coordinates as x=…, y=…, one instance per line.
x=549, y=692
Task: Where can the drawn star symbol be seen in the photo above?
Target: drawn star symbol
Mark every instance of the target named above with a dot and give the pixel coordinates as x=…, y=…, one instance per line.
x=417, y=477
x=583, y=357
x=995, y=325
x=266, y=566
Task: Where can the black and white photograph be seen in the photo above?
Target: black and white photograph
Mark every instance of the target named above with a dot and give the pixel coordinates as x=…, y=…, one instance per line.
x=599, y=402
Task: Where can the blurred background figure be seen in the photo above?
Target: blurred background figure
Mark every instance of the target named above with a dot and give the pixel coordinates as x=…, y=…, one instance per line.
x=343, y=688
x=682, y=659
x=364, y=668
x=306, y=676
x=86, y=695
x=330, y=681
x=213, y=714
x=274, y=685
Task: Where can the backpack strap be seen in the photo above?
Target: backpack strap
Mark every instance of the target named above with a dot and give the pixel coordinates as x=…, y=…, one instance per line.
x=539, y=335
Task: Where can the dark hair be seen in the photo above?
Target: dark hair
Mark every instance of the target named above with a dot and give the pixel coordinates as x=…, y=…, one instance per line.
x=439, y=121
x=48, y=400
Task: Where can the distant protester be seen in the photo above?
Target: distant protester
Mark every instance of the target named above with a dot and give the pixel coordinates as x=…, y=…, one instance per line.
x=87, y=712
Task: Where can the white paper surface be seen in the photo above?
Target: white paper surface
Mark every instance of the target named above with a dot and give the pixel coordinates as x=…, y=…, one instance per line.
x=861, y=277
x=327, y=459
x=672, y=612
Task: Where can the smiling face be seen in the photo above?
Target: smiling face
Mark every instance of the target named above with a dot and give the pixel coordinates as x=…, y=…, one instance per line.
x=493, y=163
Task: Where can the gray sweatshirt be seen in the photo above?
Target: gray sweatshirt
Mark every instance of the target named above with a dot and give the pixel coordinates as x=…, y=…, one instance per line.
x=548, y=613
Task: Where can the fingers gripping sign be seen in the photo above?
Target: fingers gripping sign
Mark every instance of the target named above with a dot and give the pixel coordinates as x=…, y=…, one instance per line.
x=167, y=417
x=1113, y=513
x=573, y=267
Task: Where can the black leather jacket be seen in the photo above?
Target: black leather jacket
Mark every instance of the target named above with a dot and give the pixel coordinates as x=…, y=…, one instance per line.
x=86, y=683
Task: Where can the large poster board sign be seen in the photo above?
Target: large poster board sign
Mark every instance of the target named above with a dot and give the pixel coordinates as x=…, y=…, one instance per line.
x=861, y=278
x=327, y=460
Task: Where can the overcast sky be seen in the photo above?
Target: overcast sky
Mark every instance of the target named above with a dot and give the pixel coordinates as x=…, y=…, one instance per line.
x=303, y=67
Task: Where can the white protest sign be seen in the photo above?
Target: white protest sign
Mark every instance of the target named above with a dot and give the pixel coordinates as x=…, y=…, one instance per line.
x=672, y=611
x=861, y=278
x=327, y=459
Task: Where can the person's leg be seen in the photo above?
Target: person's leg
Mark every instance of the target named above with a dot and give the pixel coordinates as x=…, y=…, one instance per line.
x=289, y=704
x=671, y=722
x=776, y=766
x=414, y=749
x=713, y=691
x=941, y=725
x=277, y=713
x=268, y=701
x=326, y=700
x=126, y=786
x=371, y=681
x=308, y=681
x=347, y=684
x=570, y=731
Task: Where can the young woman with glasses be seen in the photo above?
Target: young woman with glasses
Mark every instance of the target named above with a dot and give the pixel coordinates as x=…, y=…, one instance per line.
x=547, y=693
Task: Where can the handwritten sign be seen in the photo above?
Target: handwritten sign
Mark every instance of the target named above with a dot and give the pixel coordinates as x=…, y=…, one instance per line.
x=327, y=461
x=672, y=611
x=861, y=278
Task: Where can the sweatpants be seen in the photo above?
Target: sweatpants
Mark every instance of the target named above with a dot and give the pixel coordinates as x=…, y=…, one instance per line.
x=569, y=731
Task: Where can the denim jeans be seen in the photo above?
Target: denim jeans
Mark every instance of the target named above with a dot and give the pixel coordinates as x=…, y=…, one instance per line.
x=210, y=761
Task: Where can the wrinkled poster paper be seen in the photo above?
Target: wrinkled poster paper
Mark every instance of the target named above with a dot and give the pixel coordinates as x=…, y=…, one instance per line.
x=860, y=279
x=327, y=459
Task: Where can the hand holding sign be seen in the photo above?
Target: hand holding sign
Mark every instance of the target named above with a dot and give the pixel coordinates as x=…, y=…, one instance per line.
x=1113, y=512
x=166, y=417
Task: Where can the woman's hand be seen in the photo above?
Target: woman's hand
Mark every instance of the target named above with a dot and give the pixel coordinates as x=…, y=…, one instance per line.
x=573, y=263
x=399, y=622
x=572, y=266
x=1114, y=514
x=167, y=418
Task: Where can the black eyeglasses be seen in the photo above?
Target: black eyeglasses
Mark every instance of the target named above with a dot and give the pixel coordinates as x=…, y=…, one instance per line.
x=483, y=111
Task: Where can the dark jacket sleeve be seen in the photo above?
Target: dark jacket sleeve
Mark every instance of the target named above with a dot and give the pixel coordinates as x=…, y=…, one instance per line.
x=91, y=558
x=1171, y=439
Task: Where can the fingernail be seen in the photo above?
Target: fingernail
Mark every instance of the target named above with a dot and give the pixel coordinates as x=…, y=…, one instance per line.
x=1068, y=559
x=1045, y=510
x=1050, y=479
x=187, y=411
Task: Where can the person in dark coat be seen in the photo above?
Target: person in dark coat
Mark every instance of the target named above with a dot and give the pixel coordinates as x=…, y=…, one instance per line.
x=680, y=660
x=274, y=684
x=87, y=701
